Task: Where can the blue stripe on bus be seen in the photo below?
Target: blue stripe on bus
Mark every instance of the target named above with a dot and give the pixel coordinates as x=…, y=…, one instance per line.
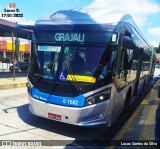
x=78, y=101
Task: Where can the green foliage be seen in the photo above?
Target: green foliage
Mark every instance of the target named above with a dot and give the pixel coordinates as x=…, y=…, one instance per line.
x=157, y=49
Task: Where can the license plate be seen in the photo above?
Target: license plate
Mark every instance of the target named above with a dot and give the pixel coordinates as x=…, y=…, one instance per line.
x=54, y=116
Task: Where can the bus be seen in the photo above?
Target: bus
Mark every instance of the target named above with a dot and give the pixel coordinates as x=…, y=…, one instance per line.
x=87, y=66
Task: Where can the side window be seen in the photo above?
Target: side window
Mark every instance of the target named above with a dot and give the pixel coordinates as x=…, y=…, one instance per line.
x=107, y=68
x=145, y=64
x=125, y=63
x=122, y=65
x=120, y=77
x=133, y=66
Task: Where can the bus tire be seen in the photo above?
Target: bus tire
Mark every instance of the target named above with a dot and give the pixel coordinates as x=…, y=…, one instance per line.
x=127, y=101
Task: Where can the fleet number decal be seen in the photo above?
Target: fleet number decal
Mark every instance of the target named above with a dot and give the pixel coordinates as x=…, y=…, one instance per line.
x=70, y=101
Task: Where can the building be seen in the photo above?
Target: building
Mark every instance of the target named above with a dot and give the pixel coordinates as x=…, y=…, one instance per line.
x=6, y=49
x=8, y=33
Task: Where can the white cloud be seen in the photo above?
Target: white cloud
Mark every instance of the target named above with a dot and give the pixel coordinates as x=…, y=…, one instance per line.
x=19, y=20
x=139, y=9
x=154, y=31
x=26, y=22
x=154, y=43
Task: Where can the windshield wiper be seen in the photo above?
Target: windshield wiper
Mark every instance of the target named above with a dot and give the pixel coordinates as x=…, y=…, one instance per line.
x=50, y=65
x=72, y=76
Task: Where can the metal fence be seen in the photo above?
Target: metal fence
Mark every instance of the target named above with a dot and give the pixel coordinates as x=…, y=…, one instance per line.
x=4, y=66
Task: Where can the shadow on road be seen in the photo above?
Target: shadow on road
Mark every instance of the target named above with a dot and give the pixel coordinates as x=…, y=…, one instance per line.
x=53, y=126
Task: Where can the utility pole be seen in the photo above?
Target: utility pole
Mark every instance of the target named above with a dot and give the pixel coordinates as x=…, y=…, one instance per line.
x=13, y=56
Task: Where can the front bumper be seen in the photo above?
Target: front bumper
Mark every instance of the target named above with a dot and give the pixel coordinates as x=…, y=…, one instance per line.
x=85, y=116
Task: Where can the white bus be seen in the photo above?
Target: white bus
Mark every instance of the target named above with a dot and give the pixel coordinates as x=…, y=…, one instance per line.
x=87, y=66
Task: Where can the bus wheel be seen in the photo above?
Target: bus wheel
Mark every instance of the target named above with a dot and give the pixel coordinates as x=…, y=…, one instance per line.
x=127, y=102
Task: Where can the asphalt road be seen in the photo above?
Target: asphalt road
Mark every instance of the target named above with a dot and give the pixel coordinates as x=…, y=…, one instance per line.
x=17, y=123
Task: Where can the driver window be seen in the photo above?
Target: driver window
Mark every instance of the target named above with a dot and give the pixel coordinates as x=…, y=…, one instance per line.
x=120, y=78
x=107, y=61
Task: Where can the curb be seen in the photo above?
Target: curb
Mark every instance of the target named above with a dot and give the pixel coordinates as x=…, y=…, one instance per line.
x=10, y=86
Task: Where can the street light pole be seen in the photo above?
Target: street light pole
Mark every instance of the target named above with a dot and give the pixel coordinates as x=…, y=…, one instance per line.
x=13, y=57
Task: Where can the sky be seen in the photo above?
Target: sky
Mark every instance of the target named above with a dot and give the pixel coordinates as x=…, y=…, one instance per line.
x=146, y=13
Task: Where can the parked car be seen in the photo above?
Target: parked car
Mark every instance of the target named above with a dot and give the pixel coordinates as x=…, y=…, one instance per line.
x=5, y=60
x=19, y=67
x=26, y=60
x=134, y=66
x=145, y=68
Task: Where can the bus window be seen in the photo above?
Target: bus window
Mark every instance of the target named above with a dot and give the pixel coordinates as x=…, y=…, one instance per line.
x=145, y=64
x=108, y=61
x=80, y=60
x=87, y=62
x=46, y=60
x=127, y=68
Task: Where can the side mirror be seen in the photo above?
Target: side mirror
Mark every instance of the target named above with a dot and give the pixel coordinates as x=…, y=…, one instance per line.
x=159, y=91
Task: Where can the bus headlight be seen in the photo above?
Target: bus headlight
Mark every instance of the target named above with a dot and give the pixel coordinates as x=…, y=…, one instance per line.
x=91, y=101
x=101, y=97
x=97, y=98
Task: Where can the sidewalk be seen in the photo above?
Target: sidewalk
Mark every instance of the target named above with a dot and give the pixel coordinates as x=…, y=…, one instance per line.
x=7, y=82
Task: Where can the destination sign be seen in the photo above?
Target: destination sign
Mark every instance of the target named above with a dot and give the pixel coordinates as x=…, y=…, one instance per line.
x=72, y=37
x=77, y=37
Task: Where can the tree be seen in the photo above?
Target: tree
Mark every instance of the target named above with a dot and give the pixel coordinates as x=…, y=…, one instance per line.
x=157, y=49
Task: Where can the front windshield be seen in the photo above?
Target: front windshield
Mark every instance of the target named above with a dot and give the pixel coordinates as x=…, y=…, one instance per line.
x=87, y=64
x=45, y=57
x=80, y=63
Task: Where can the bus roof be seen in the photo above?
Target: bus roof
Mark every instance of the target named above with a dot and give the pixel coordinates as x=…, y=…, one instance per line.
x=89, y=16
x=85, y=16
